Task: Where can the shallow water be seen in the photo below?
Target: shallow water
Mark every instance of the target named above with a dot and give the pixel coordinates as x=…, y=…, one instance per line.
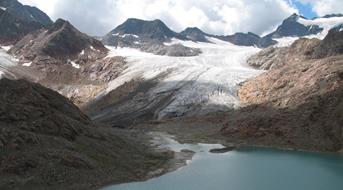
x=250, y=169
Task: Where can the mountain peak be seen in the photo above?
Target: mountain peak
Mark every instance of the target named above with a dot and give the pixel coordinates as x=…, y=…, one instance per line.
x=59, y=24
x=195, y=34
x=145, y=30
x=291, y=27
x=193, y=29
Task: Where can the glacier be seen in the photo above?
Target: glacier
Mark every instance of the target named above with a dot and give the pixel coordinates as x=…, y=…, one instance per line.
x=201, y=84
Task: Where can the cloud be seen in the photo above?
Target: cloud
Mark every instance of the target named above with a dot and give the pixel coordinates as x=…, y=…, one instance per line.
x=323, y=7
x=213, y=16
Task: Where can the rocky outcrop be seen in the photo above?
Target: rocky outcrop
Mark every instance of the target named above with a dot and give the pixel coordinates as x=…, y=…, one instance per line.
x=47, y=143
x=175, y=50
x=276, y=57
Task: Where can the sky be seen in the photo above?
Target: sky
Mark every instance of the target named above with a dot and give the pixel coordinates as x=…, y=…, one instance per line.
x=221, y=17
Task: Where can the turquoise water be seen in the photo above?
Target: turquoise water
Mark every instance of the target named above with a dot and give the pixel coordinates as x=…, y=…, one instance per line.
x=251, y=169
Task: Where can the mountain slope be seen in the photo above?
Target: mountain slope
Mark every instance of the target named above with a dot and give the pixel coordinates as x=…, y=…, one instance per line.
x=47, y=143
x=298, y=102
x=17, y=20
x=66, y=60
x=13, y=28
x=61, y=41
x=24, y=12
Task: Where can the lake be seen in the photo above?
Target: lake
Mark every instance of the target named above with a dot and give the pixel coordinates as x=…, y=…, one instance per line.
x=249, y=169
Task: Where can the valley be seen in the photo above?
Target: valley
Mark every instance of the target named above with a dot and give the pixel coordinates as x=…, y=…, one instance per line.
x=146, y=107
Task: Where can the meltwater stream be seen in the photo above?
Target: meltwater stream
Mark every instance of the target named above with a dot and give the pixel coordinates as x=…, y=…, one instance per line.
x=249, y=169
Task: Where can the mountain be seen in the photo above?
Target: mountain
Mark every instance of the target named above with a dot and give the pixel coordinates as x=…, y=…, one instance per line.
x=142, y=31
x=17, y=20
x=148, y=36
x=247, y=39
x=298, y=101
x=195, y=34
x=25, y=12
x=61, y=41
x=332, y=15
x=46, y=142
x=240, y=39
x=291, y=27
x=66, y=60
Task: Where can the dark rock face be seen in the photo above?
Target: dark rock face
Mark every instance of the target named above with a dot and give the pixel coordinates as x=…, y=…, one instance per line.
x=332, y=44
x=24, y=12
x=46, y=142
x=291, y=27
x=17, y=20
x=13, y=28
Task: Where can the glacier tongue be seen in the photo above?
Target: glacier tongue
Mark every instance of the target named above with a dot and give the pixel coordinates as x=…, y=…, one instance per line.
x=201, y=84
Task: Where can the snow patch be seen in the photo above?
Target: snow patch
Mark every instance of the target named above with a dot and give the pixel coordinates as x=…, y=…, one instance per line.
x=82, y=52
x=325, y=23
x=75, y=65
x=1, y=74
x=3, y=8
x=6, y=48
x=285, y=41
x=27, y=64
x=125, y=35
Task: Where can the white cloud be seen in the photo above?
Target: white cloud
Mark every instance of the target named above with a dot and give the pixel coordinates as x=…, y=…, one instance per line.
x=323, y=7
x=213, y=16
x=46, y=5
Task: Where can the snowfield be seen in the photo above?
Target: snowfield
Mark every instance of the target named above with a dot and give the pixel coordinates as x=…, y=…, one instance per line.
x=201, y=84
